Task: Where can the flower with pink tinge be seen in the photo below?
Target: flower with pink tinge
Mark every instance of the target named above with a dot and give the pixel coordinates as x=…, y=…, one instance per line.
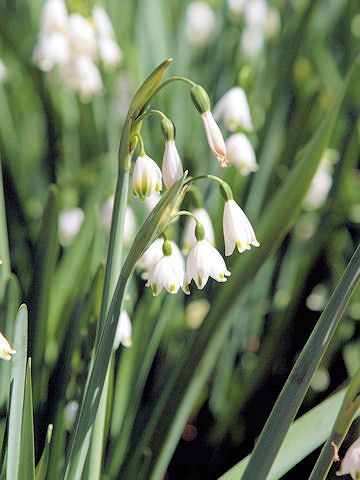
x=214, y=138
x=351, y=461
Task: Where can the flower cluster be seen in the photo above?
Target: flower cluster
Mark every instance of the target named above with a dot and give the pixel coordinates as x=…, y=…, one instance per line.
x=75, y=44
x=234, y=109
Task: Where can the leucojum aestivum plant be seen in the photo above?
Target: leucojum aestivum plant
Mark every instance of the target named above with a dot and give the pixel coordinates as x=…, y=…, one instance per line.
x=165, y=269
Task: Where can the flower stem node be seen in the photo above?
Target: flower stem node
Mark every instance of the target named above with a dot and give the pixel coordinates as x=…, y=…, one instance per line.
x=205, y=261
x=5, y=348
x=146, y=177
x=199, y=232
x=237, y=229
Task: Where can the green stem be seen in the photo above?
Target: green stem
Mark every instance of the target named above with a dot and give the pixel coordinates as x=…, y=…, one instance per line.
x=184, y=212
x=299, y=379
x=148, y=113
x=4, y=244
x=224, y=186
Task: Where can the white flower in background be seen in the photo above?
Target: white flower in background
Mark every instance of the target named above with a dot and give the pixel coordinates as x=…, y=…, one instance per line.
x=83, y=76
x=200, y=23
x=3, y=71
x=167, y=273
x=241, y=153
x=54, y=17
x=109, y=50
x=236, y=7
x=123, y=331
x=70, y=412
x=234, y=109
x=322, y=181
x=252, y=41
x=70, y=221
x=129, y=223
x=237, y=229
x=152, y=200
x=172, y=168
x=214, y=138
x=82, y=36
x=155, y=252
x=146, y=177
x=203, y=217
x=273, y=23
x=351, y=462
x=5, y=349
x=102, y=22
x=52, y=50
x=205, y=261
x=256, y=13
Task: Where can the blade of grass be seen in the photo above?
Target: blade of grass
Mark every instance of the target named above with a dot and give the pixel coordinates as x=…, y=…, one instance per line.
x=4, y=244
x=42, y=467
x=27, y=452
x=300, y=377
x=18, y=371
x=303, y=437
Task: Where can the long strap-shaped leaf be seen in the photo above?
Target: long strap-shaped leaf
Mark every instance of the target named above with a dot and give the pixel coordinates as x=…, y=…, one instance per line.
x=151, y=229
x=300, y=377
x=275, y=222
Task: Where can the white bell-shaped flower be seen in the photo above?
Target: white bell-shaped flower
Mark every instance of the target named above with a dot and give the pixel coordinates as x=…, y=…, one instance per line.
x=146, y=177
x=351, y=462
x=233, y=107
x=203, y=217
x=82, y=36
x=214, y=138
x=252, y=41
x=237, y=229
x=54, y=17
x=110, y=52
x=200, y=23
x=155, y=252
x=205, y=261
x=70, y=221
x=256, y=13
x=322, y=181
x=241, y=153
x=83, y=76
x=102, y=22
x=152, y=200
x=129, y=223
x=172, y=168
x=123, y=331
x=3, y=71
x=5, y=349
x=168, y=272
x=52, y=50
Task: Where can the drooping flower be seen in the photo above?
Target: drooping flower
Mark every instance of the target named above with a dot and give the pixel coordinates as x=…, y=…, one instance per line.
x=54, y=17
x=83, y=76
x=82, y=36
x=168, y=272
x=351, y=462
x=241, y=153
x=205, y=261
x=110, y=52
x=237, y=229
x=102, y=22
x=200, y=23
x=214, y=138
x=233, y=107
x=155, y=252
x=52, y=50
x=70, y=221
x=203, y=217
x=5, y=349
x=146, y=177
x=252, y=41
x=123, y=331
x=172, y=168
x=321, y=182
x=256, y=13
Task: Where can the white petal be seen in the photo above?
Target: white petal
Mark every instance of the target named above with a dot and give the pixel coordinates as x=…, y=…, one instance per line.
x=241, y=153
x=123, y=331
x=203, y=217
x=214, y=138
x=5, y=349
x=172, y=168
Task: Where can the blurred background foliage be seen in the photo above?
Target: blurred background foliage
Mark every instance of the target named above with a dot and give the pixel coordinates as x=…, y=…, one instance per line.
x=49, y=136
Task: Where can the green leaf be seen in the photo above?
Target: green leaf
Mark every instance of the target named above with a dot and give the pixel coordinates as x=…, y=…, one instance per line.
x=151, y=229
x=203, y=352
x=42, y=466
x=27, y=453
x=9, y=307
x=18, y=370
x=300, y=377
x=47, y=248
x=304, y=436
